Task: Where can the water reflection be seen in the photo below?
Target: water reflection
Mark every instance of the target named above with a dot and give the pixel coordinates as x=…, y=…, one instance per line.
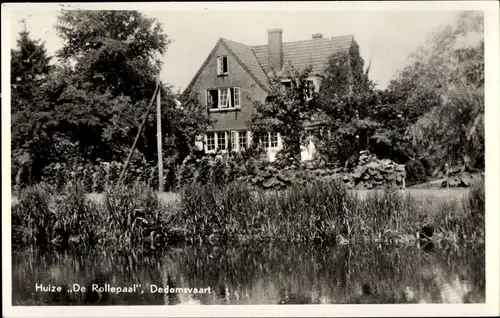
x=268, y=274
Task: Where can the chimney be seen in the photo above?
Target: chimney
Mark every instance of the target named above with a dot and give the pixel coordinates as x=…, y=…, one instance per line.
x=317, y=36
x=275, y=48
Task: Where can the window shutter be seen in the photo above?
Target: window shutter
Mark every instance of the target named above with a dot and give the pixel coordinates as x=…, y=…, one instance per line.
x=218, y=66
x=237, y=97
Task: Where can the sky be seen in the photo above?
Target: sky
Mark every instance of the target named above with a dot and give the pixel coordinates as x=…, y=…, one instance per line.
x=385, y=37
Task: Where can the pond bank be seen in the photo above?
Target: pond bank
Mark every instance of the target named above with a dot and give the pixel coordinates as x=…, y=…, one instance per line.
x=426, y=194
x=136, y=217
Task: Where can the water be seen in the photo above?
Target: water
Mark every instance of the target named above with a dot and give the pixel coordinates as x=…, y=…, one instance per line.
x=264, y=274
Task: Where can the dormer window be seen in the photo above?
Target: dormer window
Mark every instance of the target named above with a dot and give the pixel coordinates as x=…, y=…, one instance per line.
x=222, y=66
x=286, y=84
x=308, y=90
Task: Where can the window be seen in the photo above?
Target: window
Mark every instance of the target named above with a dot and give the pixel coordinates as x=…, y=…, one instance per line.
x=286, y=84
x=322, y=132
x=234, y=140
x=210, y=141
x=274, y=140
x=265, y=140
x=235, y=93
x=310, y=88
x=243, y=139
x=222, y=67
x=223, y=98
x=221, y=140
x=212, y=98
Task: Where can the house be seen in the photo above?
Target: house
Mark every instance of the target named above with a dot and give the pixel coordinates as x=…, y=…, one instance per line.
x=234, y=75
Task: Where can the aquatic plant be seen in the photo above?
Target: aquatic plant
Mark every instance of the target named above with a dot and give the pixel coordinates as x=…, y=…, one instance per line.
x=321, y=211
x=32, y=217
x=129, y=217
x=133, y=217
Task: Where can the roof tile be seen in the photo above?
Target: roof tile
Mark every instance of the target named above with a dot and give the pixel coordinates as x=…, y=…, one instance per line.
x=248, y=58
x=300, y=54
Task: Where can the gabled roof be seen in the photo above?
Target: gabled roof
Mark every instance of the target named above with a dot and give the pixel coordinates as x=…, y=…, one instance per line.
x=301, y=54
x=243, y=54
x=247, y=57
x=255, y=59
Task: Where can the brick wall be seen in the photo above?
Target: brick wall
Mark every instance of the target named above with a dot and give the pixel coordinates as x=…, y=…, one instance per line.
x=237, y=77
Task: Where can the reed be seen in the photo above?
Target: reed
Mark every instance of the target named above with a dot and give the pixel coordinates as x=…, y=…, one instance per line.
x=32, y=217
x=128, y=217
x=132, y=216
x=325, y=212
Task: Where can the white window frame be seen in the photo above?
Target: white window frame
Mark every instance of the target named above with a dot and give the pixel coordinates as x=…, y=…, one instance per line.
x=207, y=136
x=240, y=135
x=228, y=98
x=312, y=79
x=271, y=141
x=208, y=96
x=220, y=65
x=249, y=138
x=228, y=105
x=283, y=81
x=237, y=92
x=265, y=141
x=220, y=134
x=309, y=90
x=235, y=140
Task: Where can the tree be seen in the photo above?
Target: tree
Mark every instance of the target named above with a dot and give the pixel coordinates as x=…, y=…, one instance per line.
x=116, y=51
x=347, y=99
x=450, y=65
x=114, y=56
x=30, y=117
x=184, y=124
x=30, y=65
x=433, y=110
x=109, y=61
x=344, y=74
x=286, y=111
x=94, y=99
x=348, y=126
x=395, y=116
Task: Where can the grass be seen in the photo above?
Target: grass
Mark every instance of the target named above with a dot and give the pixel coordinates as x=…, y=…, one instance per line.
x=136, y=217
x=420, y=194
x=126, y=217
